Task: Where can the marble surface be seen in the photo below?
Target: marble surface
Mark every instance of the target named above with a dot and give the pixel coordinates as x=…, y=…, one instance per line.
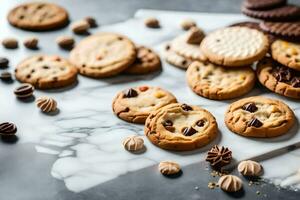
x=86, y=137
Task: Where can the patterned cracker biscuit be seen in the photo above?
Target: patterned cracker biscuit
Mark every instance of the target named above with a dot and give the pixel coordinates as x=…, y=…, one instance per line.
x=147, y=61
x=175, y=59
x=181, y=127
x=46, y=72
x=103, y=55
x=263, y=4
x=286, y=53
x=278, y=78
x=235, y=46
x=38, y=16
x=259, y=117
x=135, y=104
x=283, y=13
x=188, y=50
x=290, y=30
x=216, y=82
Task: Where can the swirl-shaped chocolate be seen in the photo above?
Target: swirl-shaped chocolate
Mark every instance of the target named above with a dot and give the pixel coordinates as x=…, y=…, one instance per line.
x=133, y=143
x=230, y=183
x=169, y=167
x=7, y=129
x=46, y=104
x=249, y=168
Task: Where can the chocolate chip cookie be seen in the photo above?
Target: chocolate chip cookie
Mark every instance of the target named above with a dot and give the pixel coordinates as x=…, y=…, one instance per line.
x=46, y=72
x=147, y=61
x=181, y=127
x=216, y=82
x=259, y=117
x=175, y=59
x=135, y=104
x=286, y=53
x=279, y=78
x=235, y=46
x=103, y=55
x=38, y=16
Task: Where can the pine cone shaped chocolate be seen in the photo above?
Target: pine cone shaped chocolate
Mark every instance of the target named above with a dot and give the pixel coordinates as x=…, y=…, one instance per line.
x=7, y=129
x=46, y=104
x=219, y=157
x=249, y=168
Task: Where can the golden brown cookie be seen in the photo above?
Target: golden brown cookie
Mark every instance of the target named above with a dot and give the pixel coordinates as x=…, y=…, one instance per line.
x=38, y=16
x=46, y=72
x=259, y=117
x=136, y=104
x=235, y=46
x=187, y=45
x=216, y=82
x=147, y=61
x=287, y=53
x=175, y=59
x=180, y=127
x=103, y=55
x=278, y=78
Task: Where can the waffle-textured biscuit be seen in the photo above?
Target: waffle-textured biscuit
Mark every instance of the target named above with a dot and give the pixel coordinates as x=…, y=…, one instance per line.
x=259, y=117
x=278, y=78
x=216, y=82
x=38, y=16
x=287, y=53
x=46, y=72
x=181, y=127
x=136, y=104
x=235, y=46
x=103, y=55
x=147, y=61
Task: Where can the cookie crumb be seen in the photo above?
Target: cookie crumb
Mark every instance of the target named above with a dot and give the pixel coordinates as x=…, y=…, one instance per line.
x=187, y=24
x=258, y=192
x=152, y=22
x=212, y=185
x=196, y=188
x=10, y=43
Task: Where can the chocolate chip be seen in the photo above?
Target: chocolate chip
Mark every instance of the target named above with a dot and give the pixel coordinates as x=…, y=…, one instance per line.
x=130, y=93
x=255, y=122
x=188, y=131
x=168, y=47
x=170, y=128
x=45, y=67
x=186, y=107
x=296, y=82
x=200, y=123
x=167, y=123
x=250, y=107
x=3, y=62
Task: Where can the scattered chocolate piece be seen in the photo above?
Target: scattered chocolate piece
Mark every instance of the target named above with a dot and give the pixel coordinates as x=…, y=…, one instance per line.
x=10, y=43
x=65, y=42
x=195, y=36
x=6, y=76
x=130, y=93
x=24, y=91
x=189, y=131
x=187, y=24
x=286, y=75
x=219, y=157
x=91, y=21
x=200, y=123
x=250, y=107
x=255, y=122
x=152, y=22
x=186, y=107
x=7, y=129
x=31, y=43
x=3, y=62
x=80, y=27
x=296, y=82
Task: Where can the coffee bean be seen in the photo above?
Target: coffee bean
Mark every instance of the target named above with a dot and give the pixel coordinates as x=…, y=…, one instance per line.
x=130, y=93
x=188, y=131
x=250, y=107
x=3, y=62
x=6, y=76
x=24, y=91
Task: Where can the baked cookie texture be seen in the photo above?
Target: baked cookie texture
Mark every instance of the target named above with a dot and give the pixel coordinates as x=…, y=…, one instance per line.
x=259, y=117
x=103, y=55
x=175, y=59
x=278, y=78
x=38, y=16
x=286, y=53
x=46, y=72
x=235, y=46
x=216, y=82
x=181, y=127
x=135, y=104
x=147, y=61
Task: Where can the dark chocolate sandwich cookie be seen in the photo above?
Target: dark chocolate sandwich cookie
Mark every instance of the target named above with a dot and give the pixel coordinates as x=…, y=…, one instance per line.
x=283, y=29
x=263, y=4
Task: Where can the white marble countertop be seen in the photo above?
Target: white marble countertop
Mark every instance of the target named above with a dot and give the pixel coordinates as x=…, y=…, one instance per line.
x=87, y=137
